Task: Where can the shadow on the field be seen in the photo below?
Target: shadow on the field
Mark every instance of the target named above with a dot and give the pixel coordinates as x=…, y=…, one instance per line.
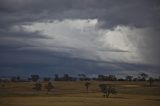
x=119, y=97
x=153, y=99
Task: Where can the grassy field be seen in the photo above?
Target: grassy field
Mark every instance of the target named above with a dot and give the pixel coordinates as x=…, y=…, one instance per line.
x=74, y=94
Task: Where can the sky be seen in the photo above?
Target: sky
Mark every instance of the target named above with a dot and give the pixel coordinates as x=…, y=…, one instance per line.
x=91, y=37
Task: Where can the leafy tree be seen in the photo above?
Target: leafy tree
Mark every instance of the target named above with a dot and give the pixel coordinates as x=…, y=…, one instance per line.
x=87, y=84
x=49, y=86
x=107, y=89
x=129, y=78
x=143, y=76
x=38, y=86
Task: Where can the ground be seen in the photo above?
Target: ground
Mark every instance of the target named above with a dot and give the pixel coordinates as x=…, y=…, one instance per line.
x=74, y=94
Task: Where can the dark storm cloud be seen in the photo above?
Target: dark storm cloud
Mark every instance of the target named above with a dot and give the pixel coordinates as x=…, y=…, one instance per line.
x=13, y=39
x=125, y=12
x=136, y=13
x=44, y=62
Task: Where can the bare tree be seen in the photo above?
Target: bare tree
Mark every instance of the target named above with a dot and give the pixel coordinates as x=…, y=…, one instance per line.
x=87, y=84
x=151, y=81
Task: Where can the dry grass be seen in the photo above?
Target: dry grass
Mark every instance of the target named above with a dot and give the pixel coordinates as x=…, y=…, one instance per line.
x=74, y=94
x=79, y=101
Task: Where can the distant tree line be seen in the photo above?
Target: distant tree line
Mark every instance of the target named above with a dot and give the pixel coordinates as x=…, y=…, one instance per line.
x=66, y=77
x=83, y=77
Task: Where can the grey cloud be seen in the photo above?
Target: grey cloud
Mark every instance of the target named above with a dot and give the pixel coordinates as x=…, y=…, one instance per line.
x=111, y=13
x=136, y=13
x=44, y=63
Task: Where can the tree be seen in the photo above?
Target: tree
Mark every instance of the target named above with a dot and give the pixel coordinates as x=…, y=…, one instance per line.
x=129, y=78
x=112, y=78
x=38, y=86
x=3, y=85
x=13, y=79
x=34, y=78
x=151, y=81
x=49, y=86
x=100, y=77
x=87, y=84
x=107, y=89
x=66, y=77
x=18, y=78
x=46, y=79
x=56, y=77
x=106, y=78
x=143, y=76
x=83, y=77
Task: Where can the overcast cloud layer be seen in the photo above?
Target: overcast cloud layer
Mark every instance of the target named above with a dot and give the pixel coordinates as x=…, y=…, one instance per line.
x=79, y=36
